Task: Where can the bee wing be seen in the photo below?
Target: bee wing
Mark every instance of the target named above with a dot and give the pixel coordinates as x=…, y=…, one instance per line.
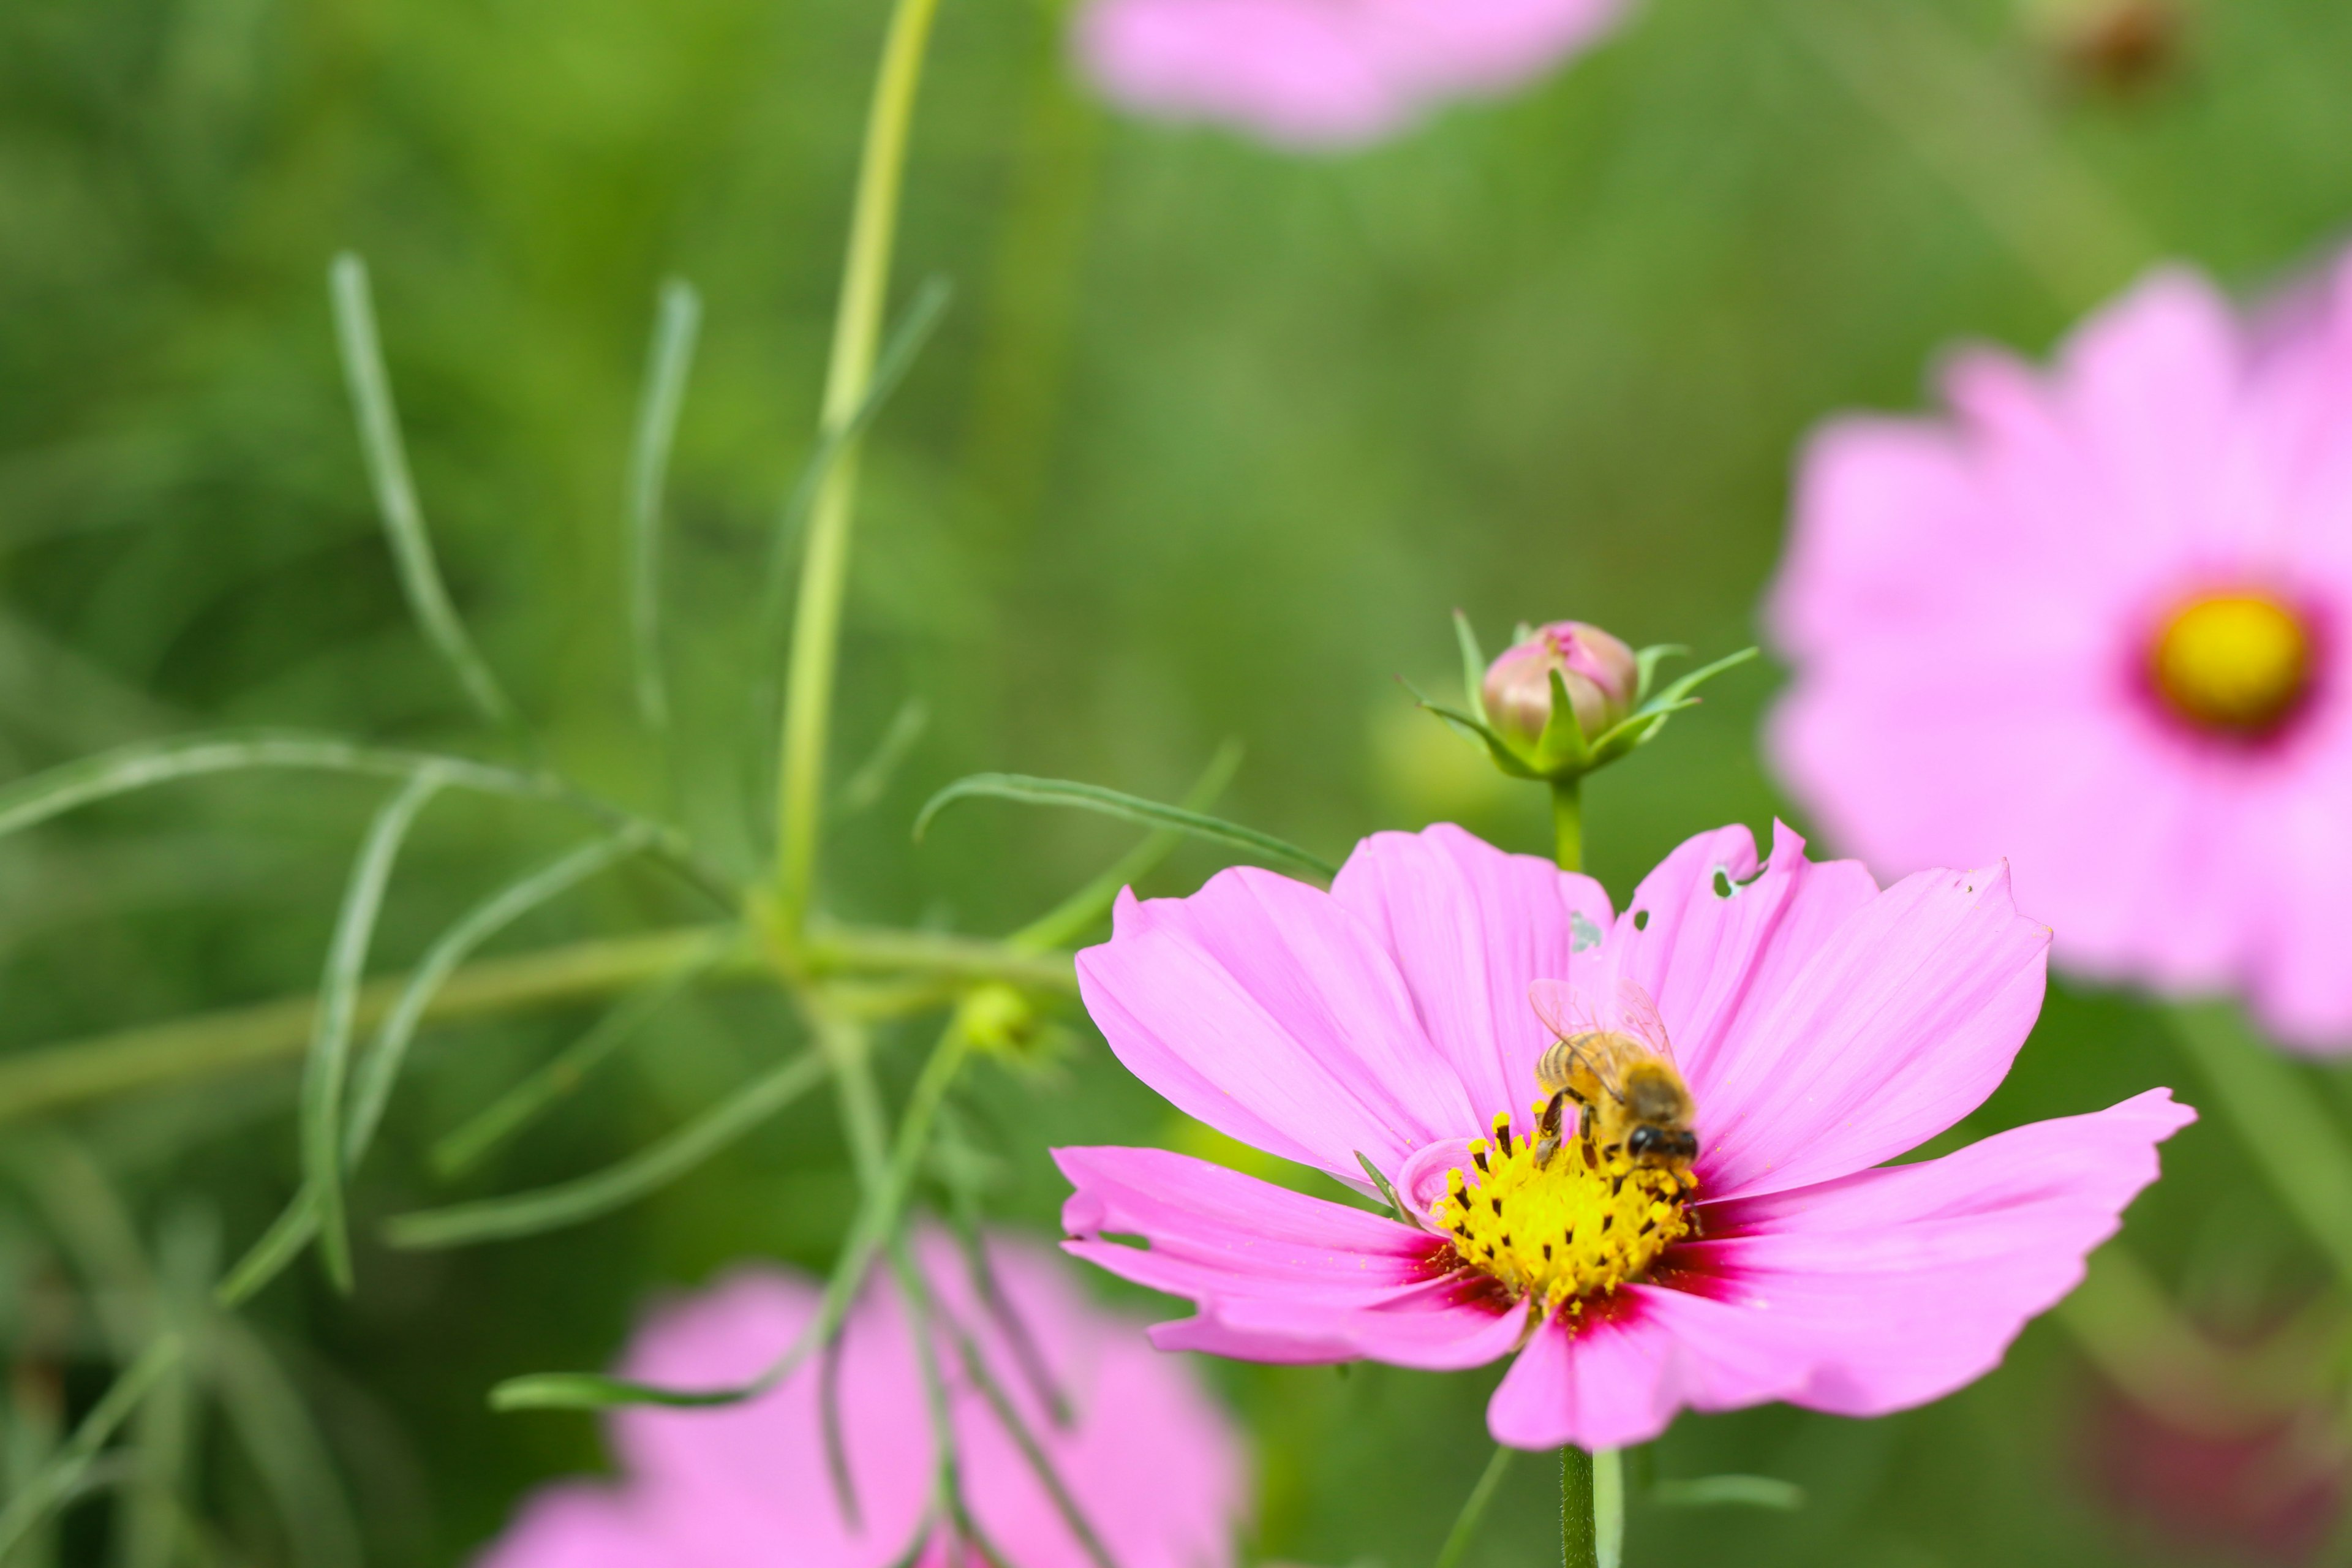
x=1637, y=1016
x=1555, y=1003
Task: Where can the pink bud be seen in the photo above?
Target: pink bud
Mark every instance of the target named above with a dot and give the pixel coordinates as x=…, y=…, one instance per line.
x=1599, y=672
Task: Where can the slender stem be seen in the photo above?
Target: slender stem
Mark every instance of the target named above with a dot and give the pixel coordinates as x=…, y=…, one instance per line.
x=1567, y=824
x=1474, y=1508
x=816, y=626
x=1609, y=1507
x=49, y=1078
x=1578, y=1543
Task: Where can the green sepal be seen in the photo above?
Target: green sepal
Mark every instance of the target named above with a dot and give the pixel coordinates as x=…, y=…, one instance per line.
x=1388, y=1192
x=1473, y=666
x=1645, y=664
x=1478, y=731
x=1562, y=752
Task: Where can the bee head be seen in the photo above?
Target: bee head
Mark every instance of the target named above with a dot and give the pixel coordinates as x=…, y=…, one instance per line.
x=1650, y=1144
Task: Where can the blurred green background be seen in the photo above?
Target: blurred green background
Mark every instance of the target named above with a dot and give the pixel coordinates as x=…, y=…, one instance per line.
x=1212, y=442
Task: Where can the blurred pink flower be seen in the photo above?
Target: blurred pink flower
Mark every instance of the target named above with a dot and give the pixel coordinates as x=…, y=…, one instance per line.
x=1822, y=1026
x=1154, y=1464
x=2095, y=621
x=1324, y=72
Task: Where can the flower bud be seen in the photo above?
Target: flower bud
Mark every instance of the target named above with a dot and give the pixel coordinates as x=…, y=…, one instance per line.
x=998, y=1020
x=1599, y=672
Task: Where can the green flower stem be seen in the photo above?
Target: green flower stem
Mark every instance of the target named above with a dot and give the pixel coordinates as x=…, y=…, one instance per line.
x=1568, y=823
x=1609, y=1507
x=2269, y=1103
x=50, y=1078
x=1579, y=1538
x=824, y=570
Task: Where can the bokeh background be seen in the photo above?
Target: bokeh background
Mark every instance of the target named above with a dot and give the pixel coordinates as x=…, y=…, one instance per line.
x=1212, y=440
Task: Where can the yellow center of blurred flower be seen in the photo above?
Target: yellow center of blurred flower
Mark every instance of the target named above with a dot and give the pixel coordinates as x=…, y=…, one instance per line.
x=1578, y=1226
x=2237, y=663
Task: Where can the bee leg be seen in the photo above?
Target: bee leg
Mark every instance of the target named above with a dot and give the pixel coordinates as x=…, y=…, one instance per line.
x=1548, y=1144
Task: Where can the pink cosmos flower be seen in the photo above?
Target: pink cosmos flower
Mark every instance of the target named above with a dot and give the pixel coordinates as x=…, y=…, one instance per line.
x=1153, y=1464
x=1823, y=1026
x=2095, y=621
x=1324, y=72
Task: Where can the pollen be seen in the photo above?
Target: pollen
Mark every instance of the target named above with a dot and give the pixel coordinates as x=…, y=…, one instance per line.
x=2235, y=664
x=1566, y=1232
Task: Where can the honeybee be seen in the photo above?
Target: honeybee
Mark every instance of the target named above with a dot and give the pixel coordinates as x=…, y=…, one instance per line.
x=1622, y=1081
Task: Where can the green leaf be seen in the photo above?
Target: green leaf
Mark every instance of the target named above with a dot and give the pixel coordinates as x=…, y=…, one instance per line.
x=1067, y=921
x=557, y=1076
x=1112, y=803
x=864, y=786
x=1479, y=733
x=907, y=340
x=31, y=801
x=395, y=493
x=377, y=1075
x=324, y=1073
x=2280, y=1121
x=572, y=1203
x=55, y=1482
x=288, y=1454
x=676, y=322
x=1473, y=666
x=1729, y=1492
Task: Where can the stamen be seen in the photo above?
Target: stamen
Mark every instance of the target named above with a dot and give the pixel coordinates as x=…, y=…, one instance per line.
x=1568, y=1210
x=2235, y=664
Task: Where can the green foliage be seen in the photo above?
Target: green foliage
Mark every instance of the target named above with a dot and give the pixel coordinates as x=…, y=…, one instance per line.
x=1213, y=441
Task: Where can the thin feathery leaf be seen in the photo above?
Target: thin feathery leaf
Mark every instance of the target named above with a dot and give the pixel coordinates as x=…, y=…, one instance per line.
x=288, y=1453
x=559, y=1076
x=126, y=770
x=1729, y=1492
x=864, y=786
x=1070, y=919
x=57, y=1480
x=325, y=1073
x=372, y=1089
x=907, y=340
x=1033, y=790
x=574, y=1202
x=676, y=323
x=1041, y=1464
x=396, y=493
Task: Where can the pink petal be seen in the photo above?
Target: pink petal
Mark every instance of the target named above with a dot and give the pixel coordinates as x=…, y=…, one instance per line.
x=1262, y=1007
x=1620, y=1376
x=1148, y=1456
x=1713, y=943
x=1895, y=1287
x=1904, y=1018
x=1277, y=1276
x=1470, y=929
x=756, y=1471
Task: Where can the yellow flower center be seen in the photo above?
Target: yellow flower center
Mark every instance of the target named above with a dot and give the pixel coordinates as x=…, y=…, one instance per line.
x=1573, y=1228
x=2236, y=663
